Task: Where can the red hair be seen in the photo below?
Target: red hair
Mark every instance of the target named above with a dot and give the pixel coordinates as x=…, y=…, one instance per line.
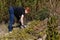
x=28, y=9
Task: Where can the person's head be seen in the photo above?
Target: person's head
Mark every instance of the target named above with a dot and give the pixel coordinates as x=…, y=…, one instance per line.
x=27, y=10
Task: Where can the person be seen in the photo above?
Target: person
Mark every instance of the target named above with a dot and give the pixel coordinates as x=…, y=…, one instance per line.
x=19, y=13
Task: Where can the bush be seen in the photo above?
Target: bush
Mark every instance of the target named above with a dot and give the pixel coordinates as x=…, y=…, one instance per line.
x=52, y=25
x=41, y=15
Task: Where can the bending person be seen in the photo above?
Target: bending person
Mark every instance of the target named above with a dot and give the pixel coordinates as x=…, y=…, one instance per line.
x=19, y=13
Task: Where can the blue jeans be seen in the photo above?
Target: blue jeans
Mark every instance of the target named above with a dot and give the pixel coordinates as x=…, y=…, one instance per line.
x=11, y=18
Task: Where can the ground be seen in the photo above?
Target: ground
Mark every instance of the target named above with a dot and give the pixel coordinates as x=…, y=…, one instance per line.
x=33, y=31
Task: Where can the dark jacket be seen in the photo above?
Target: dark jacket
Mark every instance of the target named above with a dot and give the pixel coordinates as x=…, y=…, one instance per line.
x=18, y=11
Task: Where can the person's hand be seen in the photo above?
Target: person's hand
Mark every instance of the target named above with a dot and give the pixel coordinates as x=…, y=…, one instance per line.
x=23, y=26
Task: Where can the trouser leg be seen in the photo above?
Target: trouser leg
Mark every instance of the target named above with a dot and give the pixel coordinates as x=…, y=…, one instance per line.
x=11, y=23
x=11, y=19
